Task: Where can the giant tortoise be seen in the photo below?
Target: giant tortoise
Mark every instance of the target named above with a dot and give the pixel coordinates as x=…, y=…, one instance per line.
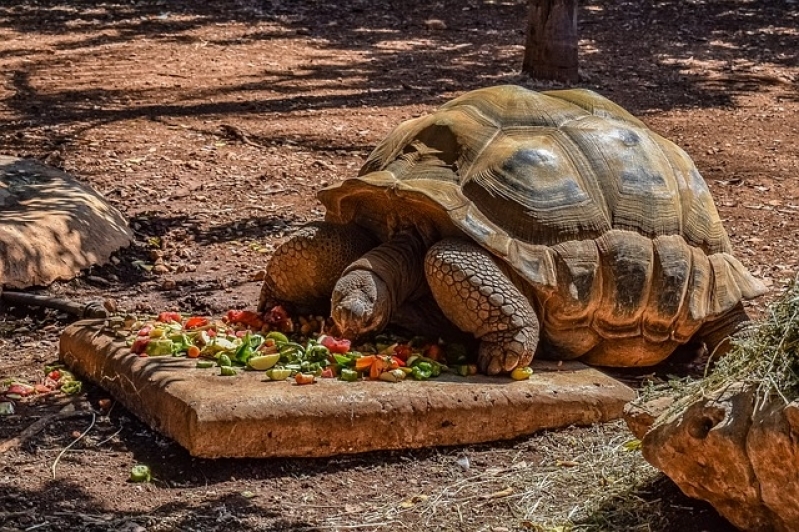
x=552, y=221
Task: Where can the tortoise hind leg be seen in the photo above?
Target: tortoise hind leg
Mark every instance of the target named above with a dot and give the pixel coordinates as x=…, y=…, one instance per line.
x=480, y=299
x=303, y=270
x=716, y=334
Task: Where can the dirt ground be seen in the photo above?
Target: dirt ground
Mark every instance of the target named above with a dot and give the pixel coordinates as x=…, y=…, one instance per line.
x=211, y=125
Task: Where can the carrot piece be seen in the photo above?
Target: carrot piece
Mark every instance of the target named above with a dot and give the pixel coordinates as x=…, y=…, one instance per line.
x=364, y=362
x=377, y=368
x=193, y=351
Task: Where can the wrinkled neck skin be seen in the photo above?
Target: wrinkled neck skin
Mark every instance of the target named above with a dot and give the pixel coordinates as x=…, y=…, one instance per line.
x=374, y=286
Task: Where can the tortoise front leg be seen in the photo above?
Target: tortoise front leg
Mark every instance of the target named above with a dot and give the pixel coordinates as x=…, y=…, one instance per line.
x=478, y=297
x=304, y=269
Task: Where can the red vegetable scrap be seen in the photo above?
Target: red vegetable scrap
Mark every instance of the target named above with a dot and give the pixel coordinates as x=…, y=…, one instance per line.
x=140, y=344
x=169, y=317
x=195, y=322
x=244, y=317
x=335, y=345
x=278, y=319
x=402, y=352
x=434, y=352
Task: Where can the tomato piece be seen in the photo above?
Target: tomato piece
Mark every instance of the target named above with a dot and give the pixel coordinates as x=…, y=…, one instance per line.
x=327, y=373
x=196, y=321
x=397, y=362
x=140, y=345
x=402, y=352
x=245, y=317
x=278, y=318
x=434, y=352
x=55, y=375
x=145, y=331
x=169, y=317
x=336, y=345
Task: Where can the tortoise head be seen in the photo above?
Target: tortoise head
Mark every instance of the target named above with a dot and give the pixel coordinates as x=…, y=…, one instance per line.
x=361, y=303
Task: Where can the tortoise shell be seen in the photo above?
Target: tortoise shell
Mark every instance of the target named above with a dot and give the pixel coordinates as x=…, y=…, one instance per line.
x=610, y=226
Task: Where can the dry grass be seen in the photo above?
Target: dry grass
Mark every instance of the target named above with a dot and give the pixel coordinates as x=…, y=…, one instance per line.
x=764, y=356
x=588, y=479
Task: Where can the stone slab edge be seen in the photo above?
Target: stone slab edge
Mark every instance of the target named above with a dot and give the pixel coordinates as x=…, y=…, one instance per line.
x=214, y=416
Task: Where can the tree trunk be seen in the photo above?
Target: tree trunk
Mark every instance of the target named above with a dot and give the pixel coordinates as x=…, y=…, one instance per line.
x=551, y=48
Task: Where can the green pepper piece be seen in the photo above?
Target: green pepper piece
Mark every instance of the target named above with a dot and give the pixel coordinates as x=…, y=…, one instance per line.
x=204, y=364
x=224, y=361
x=343, y=360
x=462, y=370
x=422, y=371
x=278, y=337
x=278, y=374
x=245, y=350
x=140, y=473
x=228, y=371
x=315, y=352
x=349, y=375
x=72, y=387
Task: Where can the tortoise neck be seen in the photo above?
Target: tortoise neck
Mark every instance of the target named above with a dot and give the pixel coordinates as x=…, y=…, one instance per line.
x=400, y=264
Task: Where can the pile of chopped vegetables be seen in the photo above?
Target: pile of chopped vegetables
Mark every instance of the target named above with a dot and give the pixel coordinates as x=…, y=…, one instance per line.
x=55, y=378
x=274, y=343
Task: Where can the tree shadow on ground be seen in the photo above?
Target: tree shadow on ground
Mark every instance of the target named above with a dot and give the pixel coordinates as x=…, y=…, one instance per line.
x=657, y=506
x=70, y=507
x=402, y=57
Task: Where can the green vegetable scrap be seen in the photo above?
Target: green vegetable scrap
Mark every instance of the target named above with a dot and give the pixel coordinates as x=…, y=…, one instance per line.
x=140, y=473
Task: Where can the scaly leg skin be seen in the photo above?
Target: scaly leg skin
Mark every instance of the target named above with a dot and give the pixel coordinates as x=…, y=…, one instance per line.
x=478, y=297
x=716, y=334
x=303, y=271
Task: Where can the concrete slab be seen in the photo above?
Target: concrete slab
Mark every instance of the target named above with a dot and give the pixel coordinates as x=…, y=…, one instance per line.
x=214, y=416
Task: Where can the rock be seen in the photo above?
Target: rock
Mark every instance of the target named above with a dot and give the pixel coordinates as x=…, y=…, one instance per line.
x=720, y=449
x=640, y=416
x=51, y=225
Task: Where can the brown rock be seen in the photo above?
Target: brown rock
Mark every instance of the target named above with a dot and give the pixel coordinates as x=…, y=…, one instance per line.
x=52, y=226
x=743, y=461
x=640, y=416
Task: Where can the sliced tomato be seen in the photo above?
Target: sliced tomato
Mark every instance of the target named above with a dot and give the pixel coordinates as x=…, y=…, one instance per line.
x=169, y=317
x=402, y=352
x=434, y=352
x=278, y=318
x=196, y=321
x=145, y=331
x=140, y=345
x=336, y=345
x=327, y=373
x=245, y=317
